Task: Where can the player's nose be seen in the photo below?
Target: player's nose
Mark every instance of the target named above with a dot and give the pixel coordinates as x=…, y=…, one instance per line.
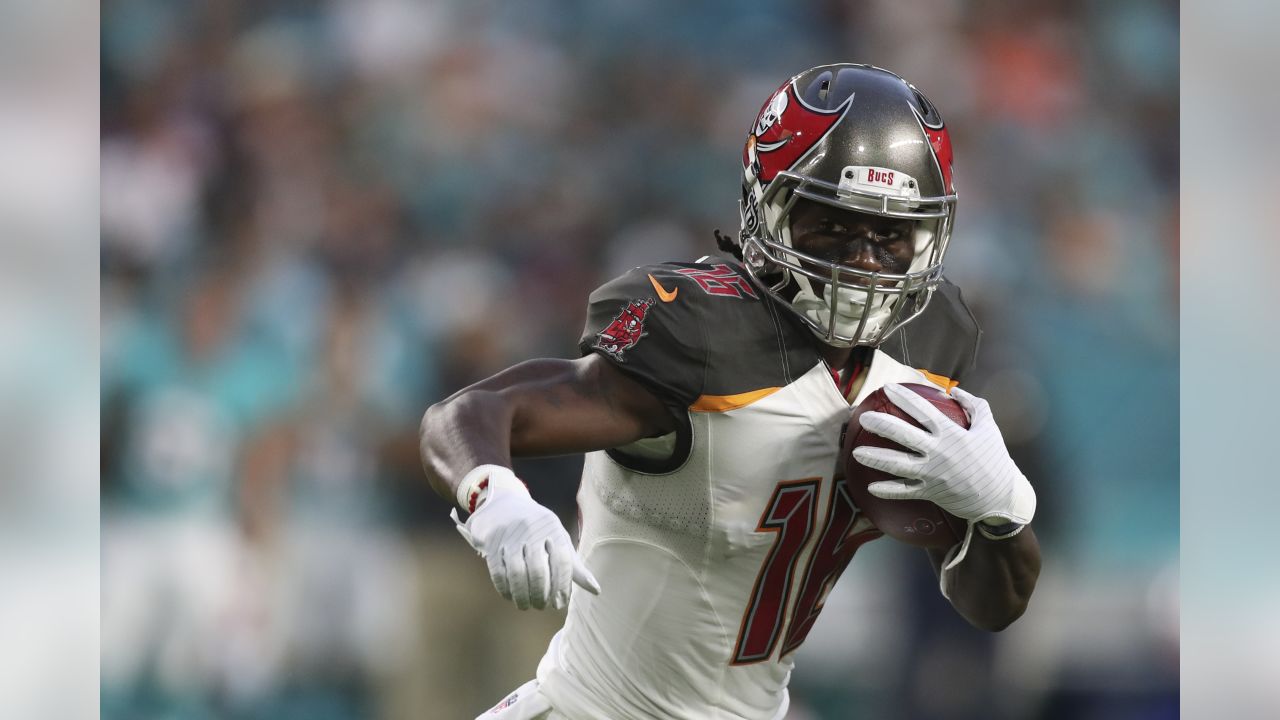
x=860, y=253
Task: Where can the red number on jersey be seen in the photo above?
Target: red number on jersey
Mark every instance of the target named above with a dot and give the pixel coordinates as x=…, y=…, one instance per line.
x=835, y=549
x=790, y=515
x=720, y=280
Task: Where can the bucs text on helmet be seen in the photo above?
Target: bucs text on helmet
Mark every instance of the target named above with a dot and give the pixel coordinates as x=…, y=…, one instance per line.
x=858, y=138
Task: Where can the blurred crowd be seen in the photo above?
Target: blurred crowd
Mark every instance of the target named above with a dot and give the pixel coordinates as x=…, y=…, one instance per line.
x=320, y=217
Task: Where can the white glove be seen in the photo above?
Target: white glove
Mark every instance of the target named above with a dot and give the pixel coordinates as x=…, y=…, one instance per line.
x=531, y=558
x=968, y=473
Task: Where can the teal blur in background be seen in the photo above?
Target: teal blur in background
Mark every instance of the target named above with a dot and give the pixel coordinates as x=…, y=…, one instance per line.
x=1229, y=346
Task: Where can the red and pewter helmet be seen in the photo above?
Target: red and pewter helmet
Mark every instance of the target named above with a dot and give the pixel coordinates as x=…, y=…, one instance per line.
x=859, y=138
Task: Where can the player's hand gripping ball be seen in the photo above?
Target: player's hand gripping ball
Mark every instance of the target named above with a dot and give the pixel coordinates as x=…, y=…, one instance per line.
x=917, y=522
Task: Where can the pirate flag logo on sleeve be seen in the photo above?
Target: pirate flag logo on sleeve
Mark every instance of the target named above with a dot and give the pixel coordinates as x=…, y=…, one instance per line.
x=625, y=330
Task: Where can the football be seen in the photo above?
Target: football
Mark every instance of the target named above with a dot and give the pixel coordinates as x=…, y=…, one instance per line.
x=916, y=522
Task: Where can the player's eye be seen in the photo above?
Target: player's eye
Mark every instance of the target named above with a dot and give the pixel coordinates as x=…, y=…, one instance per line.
x=894, y=235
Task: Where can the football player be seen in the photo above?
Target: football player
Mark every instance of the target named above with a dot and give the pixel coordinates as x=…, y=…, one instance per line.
x=709, y=399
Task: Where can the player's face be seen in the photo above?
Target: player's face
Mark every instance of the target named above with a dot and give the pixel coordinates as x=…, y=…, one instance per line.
x=860, y=240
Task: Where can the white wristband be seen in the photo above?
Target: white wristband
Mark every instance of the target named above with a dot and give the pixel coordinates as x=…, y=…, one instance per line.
x=481, y=481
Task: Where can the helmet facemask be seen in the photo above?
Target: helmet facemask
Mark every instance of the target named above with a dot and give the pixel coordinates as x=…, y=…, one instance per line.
x=843, y=305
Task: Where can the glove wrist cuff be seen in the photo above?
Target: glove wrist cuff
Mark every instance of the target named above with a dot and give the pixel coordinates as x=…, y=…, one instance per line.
x=1019, y=507
x=1000, y=532
x=481, y=482
x=1023, y=507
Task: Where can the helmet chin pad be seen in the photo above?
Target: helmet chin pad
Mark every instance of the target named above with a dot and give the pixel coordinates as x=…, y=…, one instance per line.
x=849, y=306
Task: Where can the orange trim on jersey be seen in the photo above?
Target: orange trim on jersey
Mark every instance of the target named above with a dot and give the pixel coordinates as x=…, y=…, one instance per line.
x=665, y=295
x=723, y=403
x=941, y=380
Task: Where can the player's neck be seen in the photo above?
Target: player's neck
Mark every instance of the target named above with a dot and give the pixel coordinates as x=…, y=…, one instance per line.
x=840, y=358
x=836, y=357
x=848, y=366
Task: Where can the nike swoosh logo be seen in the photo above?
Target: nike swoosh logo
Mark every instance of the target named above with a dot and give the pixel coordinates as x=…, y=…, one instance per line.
x=663, y=295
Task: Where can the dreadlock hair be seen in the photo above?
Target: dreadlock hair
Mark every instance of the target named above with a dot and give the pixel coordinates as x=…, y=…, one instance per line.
x=727, y=245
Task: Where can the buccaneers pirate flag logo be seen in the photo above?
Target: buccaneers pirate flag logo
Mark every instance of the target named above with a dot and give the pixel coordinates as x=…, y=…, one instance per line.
x=625, y=330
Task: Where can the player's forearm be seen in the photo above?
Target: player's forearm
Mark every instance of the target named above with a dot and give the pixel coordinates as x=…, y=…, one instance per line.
x=991, y=587
x=469, y=429
x=537, y=408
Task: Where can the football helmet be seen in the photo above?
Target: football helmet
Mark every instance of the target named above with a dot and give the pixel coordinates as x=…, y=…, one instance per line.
x=859, y=138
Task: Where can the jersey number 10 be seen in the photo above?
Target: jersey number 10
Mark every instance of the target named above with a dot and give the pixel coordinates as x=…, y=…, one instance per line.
x=790, y=514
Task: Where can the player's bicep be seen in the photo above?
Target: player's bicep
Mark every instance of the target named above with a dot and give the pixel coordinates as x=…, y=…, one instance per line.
x=569, y=406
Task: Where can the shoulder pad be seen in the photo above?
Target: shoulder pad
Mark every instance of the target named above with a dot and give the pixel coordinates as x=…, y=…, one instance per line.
x=691, y=331
x=643, y=327
x=943, y=340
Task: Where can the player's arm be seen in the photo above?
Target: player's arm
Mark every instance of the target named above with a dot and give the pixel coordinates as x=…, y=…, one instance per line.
x=992, y=586
x=539, y=407
x=989, y=577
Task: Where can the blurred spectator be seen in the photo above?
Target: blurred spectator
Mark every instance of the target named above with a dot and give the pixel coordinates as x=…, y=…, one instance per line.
x=183, y=398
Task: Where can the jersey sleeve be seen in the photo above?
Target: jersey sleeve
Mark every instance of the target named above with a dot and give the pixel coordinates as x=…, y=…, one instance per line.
x=635, y=324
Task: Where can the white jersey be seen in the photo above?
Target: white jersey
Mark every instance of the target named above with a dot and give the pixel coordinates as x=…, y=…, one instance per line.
x=715, y=546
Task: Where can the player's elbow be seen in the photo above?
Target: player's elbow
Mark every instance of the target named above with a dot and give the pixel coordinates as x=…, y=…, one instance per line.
x=996, y=619
x=429, y=434
x=430, y=427
x=995, y=613
x=440, y=432
x=432, y=422
x=440, y=422
x=455, y=421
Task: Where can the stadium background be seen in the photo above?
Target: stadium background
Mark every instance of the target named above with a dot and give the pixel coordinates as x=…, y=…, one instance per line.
x=319, y=217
